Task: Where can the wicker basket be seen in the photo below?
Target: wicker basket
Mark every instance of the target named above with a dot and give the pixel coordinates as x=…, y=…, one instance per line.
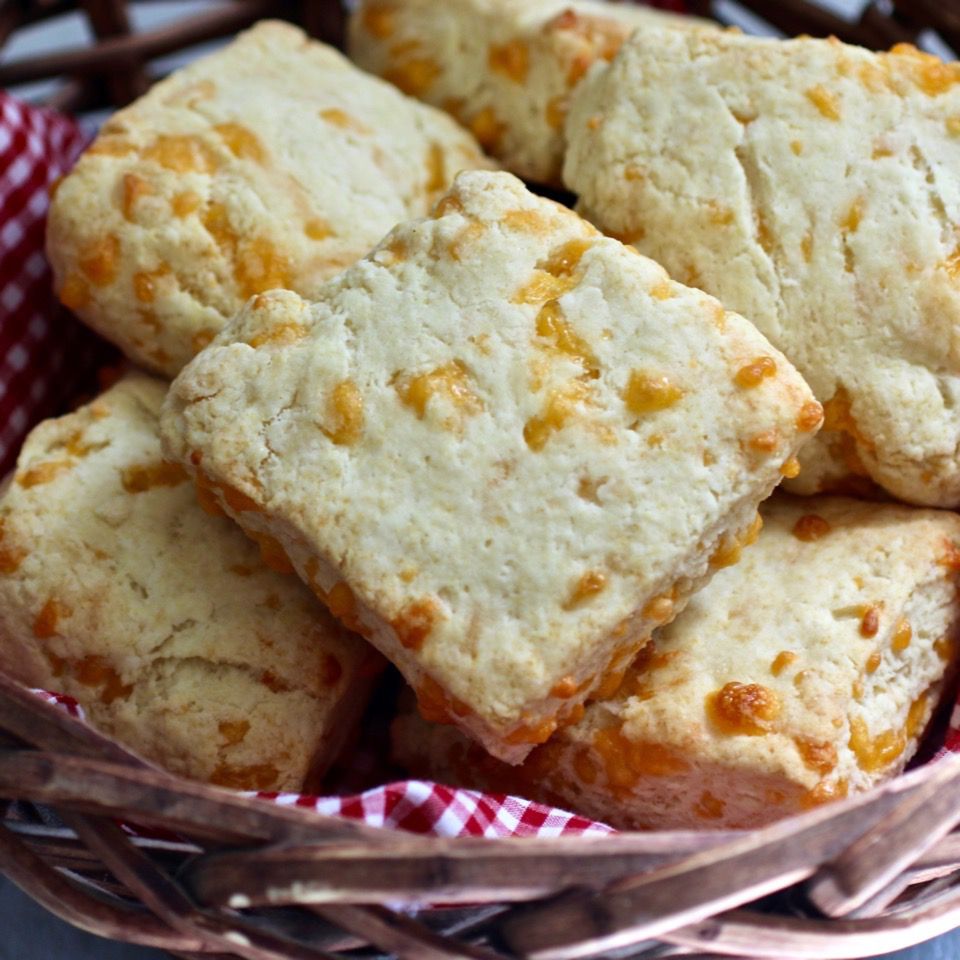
x=216, y=874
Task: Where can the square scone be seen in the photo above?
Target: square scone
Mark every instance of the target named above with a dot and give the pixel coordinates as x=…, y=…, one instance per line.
x=807, y=672
x=811, y=186
x=502, y=447
x=163, y=622
x=504, y=68
x=273, y=162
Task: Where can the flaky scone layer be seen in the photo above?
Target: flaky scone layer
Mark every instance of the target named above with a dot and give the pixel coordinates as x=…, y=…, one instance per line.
x=502, y=446
x=811, y=186
x=806, y=672
x=271, y=163
x=162, y=621
x=504, y=69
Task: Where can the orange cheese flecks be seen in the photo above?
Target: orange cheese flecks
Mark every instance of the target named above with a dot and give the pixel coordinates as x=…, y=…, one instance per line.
x=415, y=622
x=825, y=101
x=743, y=708
x=754, y=373
x=141, y=477
x=586, y=588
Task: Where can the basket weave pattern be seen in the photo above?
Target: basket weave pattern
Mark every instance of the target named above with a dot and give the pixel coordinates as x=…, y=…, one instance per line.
x=234, y=876
x=214, y=874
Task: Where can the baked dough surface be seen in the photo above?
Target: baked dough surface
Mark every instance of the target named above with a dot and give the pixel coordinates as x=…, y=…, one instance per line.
x=812, y=187
x=502, y=446
x=162, y=621
x=271, y=163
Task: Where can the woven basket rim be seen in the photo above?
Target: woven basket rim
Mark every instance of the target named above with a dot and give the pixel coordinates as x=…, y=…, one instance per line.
x=864, y=875
x=556, y=897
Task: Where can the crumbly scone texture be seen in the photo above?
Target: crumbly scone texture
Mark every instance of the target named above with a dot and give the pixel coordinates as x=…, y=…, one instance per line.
x=806, y=672
x=271, y=163
x=162, y=621
x=810, y=186
x=504, y=68
x=502, y=446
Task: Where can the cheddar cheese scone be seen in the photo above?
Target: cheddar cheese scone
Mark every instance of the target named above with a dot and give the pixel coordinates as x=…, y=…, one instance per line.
x=502, y=447
x=809, y=185
x=271, y=163
x=807, y=672
x=505, y=68
x=162, y=621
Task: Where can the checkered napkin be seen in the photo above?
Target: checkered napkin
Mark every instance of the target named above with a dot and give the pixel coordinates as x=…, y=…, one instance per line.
x=423, y=807
x=45, y=355
x=419, y=806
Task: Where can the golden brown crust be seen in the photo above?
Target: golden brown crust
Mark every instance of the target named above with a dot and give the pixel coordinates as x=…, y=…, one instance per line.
x=806, y=672
x=505, y=70
x=271, y=163
x=503, y=446
x=116, y=588
x=814, y=193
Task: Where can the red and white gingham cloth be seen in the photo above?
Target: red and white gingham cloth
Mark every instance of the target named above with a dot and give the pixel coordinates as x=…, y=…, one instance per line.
x=424, y=807
x=45, y=355
x=419, y=806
